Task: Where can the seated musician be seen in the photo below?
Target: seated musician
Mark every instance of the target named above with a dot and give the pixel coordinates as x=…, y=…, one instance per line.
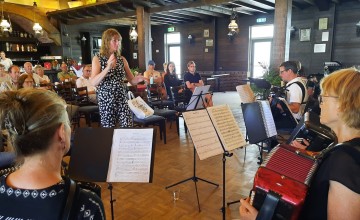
x=192, y=80
x=335, y=189
x=39, y=129
x=171, y=80
x=296, y=95
x=154, y=77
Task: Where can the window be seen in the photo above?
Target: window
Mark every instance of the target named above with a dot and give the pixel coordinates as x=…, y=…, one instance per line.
x=260, y=49
x=173, y=50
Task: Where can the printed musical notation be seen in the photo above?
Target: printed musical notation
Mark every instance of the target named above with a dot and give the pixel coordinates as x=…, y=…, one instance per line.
x=203, y=134
x=131, y=153
x=204, y=125
x=267, y=116
x=246, y=94
x=227, y=127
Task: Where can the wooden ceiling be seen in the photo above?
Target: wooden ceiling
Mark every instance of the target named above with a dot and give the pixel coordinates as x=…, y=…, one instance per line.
x=123, y=12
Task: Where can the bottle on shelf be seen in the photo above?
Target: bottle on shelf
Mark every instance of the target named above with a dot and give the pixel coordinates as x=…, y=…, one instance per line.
x=17, y=47
x=7, y=46
x=22, y=48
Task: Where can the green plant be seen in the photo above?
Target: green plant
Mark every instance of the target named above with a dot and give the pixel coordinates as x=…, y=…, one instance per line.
x=135, y=70
x=272, y=76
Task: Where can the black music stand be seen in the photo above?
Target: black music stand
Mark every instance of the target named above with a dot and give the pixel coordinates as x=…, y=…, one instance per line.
x=197, y=102
x=255, y=129
x=95, y=166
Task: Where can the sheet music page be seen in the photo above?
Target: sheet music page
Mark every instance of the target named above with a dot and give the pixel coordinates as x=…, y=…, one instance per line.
x=203, y=134
x=268, y=118
x=246, y=94
x=131, y=153
x=227, y=127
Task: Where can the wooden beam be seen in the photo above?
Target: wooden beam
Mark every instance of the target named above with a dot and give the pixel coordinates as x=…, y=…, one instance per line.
x=144, y=43
x=193, y=4
x=158, y=2
x=246, y=5
x=264, y=2
x=100, y=18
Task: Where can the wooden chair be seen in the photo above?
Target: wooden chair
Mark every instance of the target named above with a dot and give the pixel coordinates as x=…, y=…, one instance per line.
x=87, y=109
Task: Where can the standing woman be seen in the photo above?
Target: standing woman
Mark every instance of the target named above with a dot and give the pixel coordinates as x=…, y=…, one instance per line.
x=109, y=70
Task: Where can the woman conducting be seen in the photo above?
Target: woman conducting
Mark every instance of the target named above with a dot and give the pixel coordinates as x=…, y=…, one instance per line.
x=335, y=190
x=109, y=71
x=39, y=130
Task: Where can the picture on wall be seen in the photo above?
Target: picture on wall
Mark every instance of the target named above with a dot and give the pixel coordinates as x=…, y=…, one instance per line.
x=206, y=33
x=305, y=34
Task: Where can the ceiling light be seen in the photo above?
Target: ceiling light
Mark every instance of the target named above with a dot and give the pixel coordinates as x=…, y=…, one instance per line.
x=37, y=28
x=133, y=34
x=4, y=25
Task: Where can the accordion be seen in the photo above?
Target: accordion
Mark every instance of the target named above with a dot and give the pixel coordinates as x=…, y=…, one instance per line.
x=282, y=182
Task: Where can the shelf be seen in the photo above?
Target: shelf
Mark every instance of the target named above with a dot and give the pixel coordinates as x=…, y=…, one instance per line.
x=18, y=39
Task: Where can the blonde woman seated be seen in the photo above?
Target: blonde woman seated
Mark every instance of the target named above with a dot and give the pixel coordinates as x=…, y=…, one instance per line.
x=40, y=132
x=192, y=80
x=39, y=70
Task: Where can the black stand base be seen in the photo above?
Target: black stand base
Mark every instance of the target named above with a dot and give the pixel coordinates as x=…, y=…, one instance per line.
x=223, y=210
x=110, y=187
x=195, y=179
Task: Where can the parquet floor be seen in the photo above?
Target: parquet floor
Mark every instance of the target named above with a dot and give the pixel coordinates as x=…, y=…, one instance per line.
x=173, y=163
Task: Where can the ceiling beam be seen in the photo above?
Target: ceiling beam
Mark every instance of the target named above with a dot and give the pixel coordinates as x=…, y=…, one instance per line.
x=193, y=4
x=246, y=5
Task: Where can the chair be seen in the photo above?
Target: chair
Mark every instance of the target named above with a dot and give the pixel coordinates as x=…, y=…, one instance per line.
x=154, y=97
x=154, y=120
x=86, y=108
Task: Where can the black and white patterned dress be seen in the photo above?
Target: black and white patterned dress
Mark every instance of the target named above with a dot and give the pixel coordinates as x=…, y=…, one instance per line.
x=112, y=96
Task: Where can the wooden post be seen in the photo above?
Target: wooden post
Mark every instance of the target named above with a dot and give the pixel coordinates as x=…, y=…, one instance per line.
x=144, y=42
x=281, y=41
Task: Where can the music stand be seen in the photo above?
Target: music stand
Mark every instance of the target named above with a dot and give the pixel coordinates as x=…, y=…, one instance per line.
x=102, y=165
x=196, y=102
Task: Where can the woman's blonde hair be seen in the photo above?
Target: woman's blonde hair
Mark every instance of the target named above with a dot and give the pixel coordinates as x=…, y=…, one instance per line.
x=31, y=116
x=105, y=42
x=345, y=84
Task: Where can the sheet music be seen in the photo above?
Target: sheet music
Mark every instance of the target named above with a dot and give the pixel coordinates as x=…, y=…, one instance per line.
x=203, y=133
x=268, y=118
x=226, y=126
x=246, y=94
x=131, y=153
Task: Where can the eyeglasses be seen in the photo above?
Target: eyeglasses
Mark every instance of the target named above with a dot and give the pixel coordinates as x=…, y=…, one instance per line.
x=327, y=96
x=282, y=71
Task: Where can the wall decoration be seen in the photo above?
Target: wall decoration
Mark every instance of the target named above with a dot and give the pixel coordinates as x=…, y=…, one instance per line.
x=209, y=42
x=323, y=23
x=325, y=36
x=319, y=48
x=206, y=33
x=305, y=34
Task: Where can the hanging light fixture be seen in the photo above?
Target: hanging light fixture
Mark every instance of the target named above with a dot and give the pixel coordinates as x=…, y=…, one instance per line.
x=5, y=25
x=37, y=28
x=133, y=34
x=233, y=26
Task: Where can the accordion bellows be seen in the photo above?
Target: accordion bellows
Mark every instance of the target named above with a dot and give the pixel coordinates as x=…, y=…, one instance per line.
x=286, y=172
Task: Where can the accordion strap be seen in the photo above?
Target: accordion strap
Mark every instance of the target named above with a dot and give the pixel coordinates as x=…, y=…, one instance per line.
x=268, y=208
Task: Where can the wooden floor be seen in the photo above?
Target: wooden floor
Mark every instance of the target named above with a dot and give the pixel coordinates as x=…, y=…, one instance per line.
x=173, y=163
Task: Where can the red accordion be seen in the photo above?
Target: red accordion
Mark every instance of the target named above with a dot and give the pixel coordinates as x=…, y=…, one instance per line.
x=286, y=174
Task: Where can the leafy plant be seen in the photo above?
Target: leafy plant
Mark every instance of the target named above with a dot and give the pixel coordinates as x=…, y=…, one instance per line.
x=272, y=76
x=135, y=70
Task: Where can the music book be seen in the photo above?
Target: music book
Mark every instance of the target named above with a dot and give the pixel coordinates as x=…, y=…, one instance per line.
x=246, y=94
x=112, y=155
x=259, y=121
x=205, y=124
